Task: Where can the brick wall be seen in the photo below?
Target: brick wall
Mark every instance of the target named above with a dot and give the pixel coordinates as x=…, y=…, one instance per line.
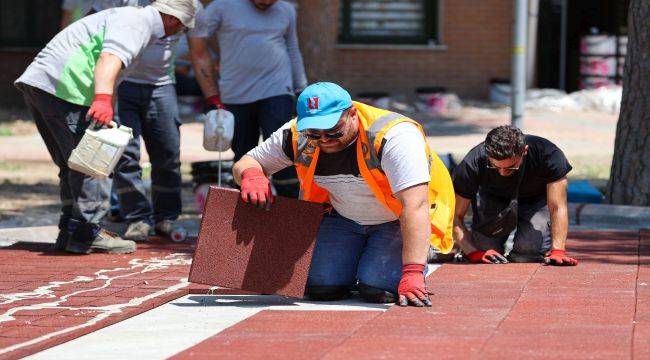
x=477, y=36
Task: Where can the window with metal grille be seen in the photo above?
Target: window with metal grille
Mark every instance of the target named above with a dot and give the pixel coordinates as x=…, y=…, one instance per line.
x=28, y=23
x=389, y=22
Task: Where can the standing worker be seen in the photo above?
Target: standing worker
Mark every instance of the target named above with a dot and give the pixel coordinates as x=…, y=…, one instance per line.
x=72, y=80
x=147, y=103
x=390, y=195
x=260, y=71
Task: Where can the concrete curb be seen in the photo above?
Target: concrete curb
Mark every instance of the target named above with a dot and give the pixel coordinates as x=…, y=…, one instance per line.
x=610, y=216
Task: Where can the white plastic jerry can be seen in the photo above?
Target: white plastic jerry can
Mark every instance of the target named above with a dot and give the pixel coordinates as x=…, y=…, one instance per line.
x=218, y=130
x=99, y=150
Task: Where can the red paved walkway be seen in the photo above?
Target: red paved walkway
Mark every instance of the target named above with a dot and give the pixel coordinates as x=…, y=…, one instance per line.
x=506, y=311
x=600, y=309
x=49, y=297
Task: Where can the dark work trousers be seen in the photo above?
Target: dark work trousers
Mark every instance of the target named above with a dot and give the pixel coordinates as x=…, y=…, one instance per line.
x=152, y=112
x=84, y=199
x=533, y=234
x=268, y=115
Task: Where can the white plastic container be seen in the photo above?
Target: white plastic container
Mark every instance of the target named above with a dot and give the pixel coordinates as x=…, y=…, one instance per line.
x=218, y=130
x=598, y=45
x=99, y=150
x=598, y=65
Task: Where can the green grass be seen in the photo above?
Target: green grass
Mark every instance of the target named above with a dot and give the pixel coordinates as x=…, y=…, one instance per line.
x=11, y=166
x=5, y=131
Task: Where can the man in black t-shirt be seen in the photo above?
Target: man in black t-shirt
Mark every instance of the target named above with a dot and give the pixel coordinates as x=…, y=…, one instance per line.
x=510, y=171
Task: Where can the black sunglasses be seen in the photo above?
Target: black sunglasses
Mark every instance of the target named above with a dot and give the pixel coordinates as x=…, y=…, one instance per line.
x=513, y=168
x=332, y=135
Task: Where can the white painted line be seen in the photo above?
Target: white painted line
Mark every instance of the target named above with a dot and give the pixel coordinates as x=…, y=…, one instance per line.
x=180, y=324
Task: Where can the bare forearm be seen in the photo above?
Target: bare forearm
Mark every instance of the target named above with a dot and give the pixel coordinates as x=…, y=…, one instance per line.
x=203, y=66
x=557, y=206
x=244, y=163
x=559, y=226
x=206, y=77
x=416, y=231
x=106, y=72
x=463, y=236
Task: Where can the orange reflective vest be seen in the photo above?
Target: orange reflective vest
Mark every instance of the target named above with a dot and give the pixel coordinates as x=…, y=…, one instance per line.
x=373, y=125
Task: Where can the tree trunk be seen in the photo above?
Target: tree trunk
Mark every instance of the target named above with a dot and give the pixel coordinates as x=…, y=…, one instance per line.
x=629, y=181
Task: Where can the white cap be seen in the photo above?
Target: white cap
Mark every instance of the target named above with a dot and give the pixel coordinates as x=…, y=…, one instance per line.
x=183, y=10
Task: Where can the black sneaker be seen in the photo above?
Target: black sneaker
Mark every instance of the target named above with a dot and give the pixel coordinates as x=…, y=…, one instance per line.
x=105, y=242
x=62, y=240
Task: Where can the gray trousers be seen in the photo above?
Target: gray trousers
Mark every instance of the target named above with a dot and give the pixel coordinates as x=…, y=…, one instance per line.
x=84, y=200
x=532, y=236
x=152, y=112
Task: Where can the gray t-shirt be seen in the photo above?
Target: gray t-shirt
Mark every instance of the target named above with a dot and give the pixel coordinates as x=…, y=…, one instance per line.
x=156, y=66
x=403, y=160
x=66, y=66
x=259, y=53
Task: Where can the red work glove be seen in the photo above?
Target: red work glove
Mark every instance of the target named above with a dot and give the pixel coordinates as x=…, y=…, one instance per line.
x=411, y=287
x=213, y=103
x=101, y=109
x=558, y=257
x=256, y=188
x=487, y=257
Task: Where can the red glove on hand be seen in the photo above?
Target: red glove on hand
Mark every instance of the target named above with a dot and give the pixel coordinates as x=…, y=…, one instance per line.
x=487, y=257
x=558, y=257
x=256, y=188
x=101, y=109
x=213, y=102
x=411, y=287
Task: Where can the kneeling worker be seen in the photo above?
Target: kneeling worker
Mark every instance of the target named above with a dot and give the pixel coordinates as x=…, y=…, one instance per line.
x=390, y=195
x=522, y=184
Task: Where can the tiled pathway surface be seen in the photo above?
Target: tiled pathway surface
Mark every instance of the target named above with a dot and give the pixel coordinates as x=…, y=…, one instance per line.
x=49, y=297
x=599, y=309
x=507, y=311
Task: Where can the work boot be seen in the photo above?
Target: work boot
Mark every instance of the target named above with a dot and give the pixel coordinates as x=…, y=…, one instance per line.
x=62, y=240
x=138, y=231
x=104, y=241
x=164, y=227
x=372, y=294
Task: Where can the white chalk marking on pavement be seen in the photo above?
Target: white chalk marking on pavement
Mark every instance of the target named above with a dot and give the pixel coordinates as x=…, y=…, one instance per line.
x=105, y=311
x=182, y=323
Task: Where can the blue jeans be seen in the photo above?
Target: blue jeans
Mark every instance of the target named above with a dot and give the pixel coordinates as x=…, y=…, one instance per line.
x=346, y=252
x=266, y=115
x=152, y=112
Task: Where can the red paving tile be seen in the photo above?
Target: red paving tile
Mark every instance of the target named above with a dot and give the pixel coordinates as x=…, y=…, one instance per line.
x=243, y=247
x=285, y=334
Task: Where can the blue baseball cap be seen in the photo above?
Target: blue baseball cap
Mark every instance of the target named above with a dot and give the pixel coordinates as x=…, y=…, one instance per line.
x=320, y=106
